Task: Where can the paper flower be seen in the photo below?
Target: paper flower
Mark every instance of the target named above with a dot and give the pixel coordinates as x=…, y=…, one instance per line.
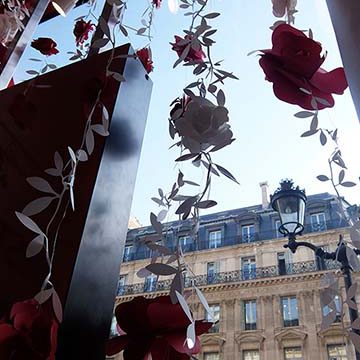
x=195, y=53
x=157, y=3
x=202, y=124
x=81, y=31
x=46, y=46
x=29, y=333
x=144, y=55
x=156, y=327
x=294, y=63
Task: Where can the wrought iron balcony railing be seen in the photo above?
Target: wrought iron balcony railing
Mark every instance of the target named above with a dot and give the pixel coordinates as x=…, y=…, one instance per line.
x=203, y=244
x=231, y=277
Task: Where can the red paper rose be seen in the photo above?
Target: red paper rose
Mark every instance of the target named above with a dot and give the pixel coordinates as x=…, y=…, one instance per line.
x=81, y=31
x=46, y=46
x=157, y=3
x=29, y=333
x=144, y=55
x=156, y=327
x=195, y=53
x=293, y=63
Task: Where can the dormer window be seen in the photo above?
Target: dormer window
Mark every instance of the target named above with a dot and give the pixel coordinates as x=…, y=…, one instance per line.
x=248, y=233
x=318, y=222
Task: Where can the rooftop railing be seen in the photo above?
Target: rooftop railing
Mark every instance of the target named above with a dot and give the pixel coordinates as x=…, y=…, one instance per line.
x=204, y=244
x=232, y=276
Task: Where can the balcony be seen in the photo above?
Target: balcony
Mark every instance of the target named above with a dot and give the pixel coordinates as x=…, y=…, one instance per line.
x=200, y=245
x=231, y=277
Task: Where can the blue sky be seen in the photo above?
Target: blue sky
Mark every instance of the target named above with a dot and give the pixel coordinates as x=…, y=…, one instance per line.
x=268, y=146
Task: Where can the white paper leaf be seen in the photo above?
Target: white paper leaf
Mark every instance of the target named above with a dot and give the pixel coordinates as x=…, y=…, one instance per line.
x=177, y=284
x=82, y=155
x=72, y=154
x=59, y=164
x=41, y=185
x=105, y=118
x=162, y=215
x=43, y=295
x=72, y=197
x=353, y=259
x=190, y=335
x=143, y=273
x=35, y=246
x=99, y=129
x=37, y=206
x=204, y=303
x=53, y=172
x=161, y=269
x=30, y=224
x=58, y=311
x=184, y=305
x=90, y=141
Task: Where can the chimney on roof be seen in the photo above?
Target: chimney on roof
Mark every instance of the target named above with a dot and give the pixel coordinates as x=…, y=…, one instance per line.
x=264, y=194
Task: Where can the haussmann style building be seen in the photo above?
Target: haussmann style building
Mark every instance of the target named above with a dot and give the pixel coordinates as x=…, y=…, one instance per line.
x=265, y=298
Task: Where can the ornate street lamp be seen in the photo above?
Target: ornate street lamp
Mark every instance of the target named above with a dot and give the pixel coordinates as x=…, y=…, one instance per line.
x=290, y=204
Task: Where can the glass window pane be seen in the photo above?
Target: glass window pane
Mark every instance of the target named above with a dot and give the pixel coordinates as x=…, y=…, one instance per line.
x=290, y=311
x=248, y=267
x=251, y=355
x=318, y=222
x=293, y=353
x=211, y=356
x=250, y=315
x=337, y=352
x=127, y=252
x=214, y=239
x=215, y=309
x=248, y=233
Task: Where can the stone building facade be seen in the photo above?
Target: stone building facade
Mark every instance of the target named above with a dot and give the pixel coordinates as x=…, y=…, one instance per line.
x=266, y=299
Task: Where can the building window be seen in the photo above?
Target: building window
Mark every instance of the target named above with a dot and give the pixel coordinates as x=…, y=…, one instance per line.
x=336, y=352
x=277, y=232
x=248, y=266
x=121, y=285
x=185, y=241
x=285, y=263
x=318, y=222
x=127, y=252
x=150, y=283
x=113, y=329
x=213, y=269
x=215, y=311
x=251, y=355
x=214, y=239
x=248, y=233
x=293, y=353
x=327, y=309
x=212, y=356
x=290, y=311
x=250, y=315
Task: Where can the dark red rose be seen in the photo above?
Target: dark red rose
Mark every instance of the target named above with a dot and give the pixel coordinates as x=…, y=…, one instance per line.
x=157, y=3
x=295, y=62
x=195, y=53
x=29, y=333
x=81, y=31
x=144, y=55
x=156, y=327
x=46, y=46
